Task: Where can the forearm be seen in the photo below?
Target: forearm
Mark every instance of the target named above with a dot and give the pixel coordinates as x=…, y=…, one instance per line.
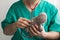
x=10, y=29
x=52, y=35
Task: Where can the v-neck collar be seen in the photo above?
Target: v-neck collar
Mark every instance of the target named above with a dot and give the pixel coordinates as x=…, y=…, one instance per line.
x=34, y=9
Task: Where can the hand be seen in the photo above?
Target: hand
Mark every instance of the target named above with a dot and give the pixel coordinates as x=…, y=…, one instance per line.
x=35, y=32
x=22, y=23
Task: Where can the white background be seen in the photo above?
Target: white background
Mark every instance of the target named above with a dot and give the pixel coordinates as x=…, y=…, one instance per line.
x=4, y=6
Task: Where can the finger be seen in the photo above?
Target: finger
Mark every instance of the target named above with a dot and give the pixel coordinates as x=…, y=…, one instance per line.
x=36, y=31
x=41, y=28
x=32, y=32
x=24, y=19
x=36, y=26
x=27, y=29
x=21, y=25
x=24, y=22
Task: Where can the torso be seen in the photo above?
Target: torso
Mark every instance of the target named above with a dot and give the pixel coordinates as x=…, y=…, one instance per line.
x=22, y=11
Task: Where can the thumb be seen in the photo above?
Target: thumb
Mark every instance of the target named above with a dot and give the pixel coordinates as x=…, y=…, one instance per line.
x=42, y=28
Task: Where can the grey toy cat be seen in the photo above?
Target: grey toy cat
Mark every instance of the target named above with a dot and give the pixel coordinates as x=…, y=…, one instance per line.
x=39, y=20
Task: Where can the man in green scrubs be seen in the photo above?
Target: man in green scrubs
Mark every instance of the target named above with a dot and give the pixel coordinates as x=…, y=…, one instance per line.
x=18, y=9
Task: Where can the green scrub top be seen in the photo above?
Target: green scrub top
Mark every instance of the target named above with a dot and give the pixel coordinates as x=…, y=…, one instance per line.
x=18, y=9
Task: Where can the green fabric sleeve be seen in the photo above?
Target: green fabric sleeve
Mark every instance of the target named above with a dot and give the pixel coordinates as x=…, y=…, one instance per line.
x=8, y=19
x=55, y=21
